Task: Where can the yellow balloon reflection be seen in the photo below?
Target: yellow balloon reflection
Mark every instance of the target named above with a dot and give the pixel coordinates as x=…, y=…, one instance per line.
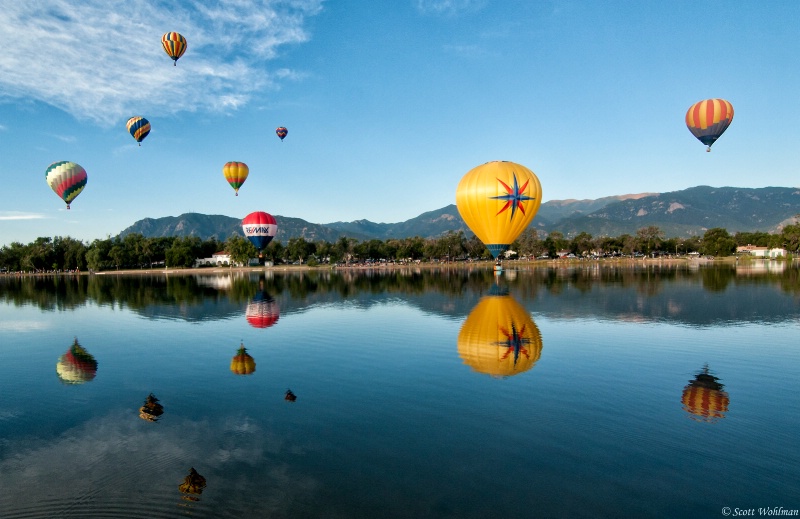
x=242, y=363
x=76, y=366
x=704, y=397
x=499, y=338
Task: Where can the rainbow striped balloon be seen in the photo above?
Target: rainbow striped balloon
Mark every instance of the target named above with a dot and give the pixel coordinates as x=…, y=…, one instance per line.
x=139, y=128
x=67, y=179
x=708, y=120
x=235, y=173
x=174, y=45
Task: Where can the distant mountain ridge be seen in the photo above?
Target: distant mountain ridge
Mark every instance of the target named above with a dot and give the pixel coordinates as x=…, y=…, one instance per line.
x=689, y=212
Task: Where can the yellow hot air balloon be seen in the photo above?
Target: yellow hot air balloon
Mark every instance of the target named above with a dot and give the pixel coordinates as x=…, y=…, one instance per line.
x=235, y=173
x=497, y=201
x=499, y=338
x=705, y=398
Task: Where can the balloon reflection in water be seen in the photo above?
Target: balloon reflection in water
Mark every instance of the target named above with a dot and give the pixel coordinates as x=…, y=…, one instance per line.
x=192, y=486
x=151, y=409
x=290, y=397
x=499, y=338
x=262, y=311
x=242, y=363
x=76, y=366
x=704, y=397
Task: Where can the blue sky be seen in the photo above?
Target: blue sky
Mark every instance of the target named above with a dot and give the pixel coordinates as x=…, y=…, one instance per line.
x=388, y=104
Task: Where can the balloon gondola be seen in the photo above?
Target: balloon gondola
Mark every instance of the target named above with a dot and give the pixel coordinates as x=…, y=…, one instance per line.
x=66, y=179
x=499, y=338
x=174, y=45
x=235, y=174
x=708, y=120
x=138, y=127
x=498, y=200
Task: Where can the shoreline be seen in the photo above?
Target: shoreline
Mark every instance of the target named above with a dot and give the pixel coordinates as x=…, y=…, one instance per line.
x=507, y=265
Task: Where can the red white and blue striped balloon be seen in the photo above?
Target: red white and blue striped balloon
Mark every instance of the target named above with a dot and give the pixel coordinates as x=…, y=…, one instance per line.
x=259, y=227
x=67, y=179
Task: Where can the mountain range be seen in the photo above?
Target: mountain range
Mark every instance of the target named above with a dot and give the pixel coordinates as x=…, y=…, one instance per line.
x=685, y=213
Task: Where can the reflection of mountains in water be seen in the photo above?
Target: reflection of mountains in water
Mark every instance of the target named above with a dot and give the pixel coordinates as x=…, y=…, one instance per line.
x=700, y=296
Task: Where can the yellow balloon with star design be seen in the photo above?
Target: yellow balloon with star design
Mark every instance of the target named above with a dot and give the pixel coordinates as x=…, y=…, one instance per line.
x=499, y=338
x=498, y=201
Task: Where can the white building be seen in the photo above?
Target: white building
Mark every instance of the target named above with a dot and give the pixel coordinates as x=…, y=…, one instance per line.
x=219, y=259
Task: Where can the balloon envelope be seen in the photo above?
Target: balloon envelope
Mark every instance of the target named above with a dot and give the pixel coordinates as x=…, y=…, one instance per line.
x=499, y=338
x=235, y=173
x=259, y=227
x=174, y=45
x=76, y=366
x=708, y=120
x=498, y=200
x=67, y=179
x=262, y=311
x=281, y=132
x=139, y=128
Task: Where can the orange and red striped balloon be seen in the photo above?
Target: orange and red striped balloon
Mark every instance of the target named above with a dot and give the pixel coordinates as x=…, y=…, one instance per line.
x=708, y=120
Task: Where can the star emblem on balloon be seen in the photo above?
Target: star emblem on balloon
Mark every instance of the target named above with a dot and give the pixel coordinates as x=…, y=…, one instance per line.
x=514, y=197
x=515, y=342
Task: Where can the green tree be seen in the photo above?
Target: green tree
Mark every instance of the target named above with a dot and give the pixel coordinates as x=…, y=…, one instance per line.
x=649, y=239
x=717, y=242
x=240, y=249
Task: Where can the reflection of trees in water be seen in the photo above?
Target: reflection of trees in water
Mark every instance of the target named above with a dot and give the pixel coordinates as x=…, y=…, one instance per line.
x=299, y=289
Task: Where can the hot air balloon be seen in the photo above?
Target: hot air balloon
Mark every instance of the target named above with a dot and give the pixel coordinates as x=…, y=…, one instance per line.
x=704, y=397
x=192, y=486
x=76, y=366
x=151, y=410
x=262, y=311
x=139, y=128
x=174, y=45
x=709, y=119
x=242, y=363
x=497, y=201
x=235, y=173
x=259, y=227
x=282, y=132
x=67, y=179
x=499, y=338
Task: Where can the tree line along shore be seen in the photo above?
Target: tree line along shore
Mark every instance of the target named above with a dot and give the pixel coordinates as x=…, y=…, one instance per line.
x=136, y=252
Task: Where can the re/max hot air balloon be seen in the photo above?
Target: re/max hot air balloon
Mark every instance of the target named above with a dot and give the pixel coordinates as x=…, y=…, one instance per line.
x=67, y=179
x=139, y=128
x=235, y=173
x=259, y=227
x=281, y=132
x=708, y=120
x=498, y=200
x=174, y=45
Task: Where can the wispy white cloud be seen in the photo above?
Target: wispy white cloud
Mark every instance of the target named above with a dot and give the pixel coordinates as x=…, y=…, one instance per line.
x=102, y=60
x=17, y=215
x=449, y=7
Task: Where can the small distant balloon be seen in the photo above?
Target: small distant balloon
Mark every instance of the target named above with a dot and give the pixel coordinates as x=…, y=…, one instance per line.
x=259, y=227
x=281, y=132
x=498, y=200
x=708, y=120
x=138, y=127
x=174, y=45
x=67, y=179
x=235, y=173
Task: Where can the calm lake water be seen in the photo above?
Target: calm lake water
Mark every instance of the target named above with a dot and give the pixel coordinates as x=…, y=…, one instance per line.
x=592, y=391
